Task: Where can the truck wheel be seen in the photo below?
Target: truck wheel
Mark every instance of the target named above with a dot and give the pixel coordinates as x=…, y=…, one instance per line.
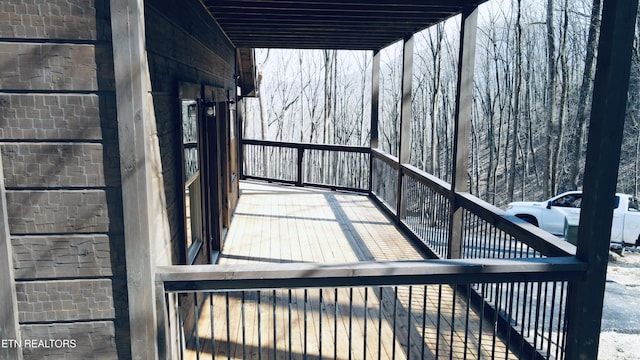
x=528, y=218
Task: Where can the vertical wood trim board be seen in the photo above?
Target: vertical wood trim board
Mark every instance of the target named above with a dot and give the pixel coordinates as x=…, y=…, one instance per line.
x=9, y=326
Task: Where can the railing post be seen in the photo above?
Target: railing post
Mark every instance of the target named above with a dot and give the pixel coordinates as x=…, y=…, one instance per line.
x=462, y=127
x=163, y=323
x=300, y=161
x=585, y=299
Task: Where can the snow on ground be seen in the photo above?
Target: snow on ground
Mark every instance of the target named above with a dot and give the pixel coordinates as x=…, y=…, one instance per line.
x=621, y=344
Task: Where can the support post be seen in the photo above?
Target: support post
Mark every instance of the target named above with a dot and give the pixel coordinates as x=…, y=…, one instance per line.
x=404, y=146
x=375, y=97
x=585, y=299
x=145, y=224
x=9, y=325
x=462, y=126
x=240, y=128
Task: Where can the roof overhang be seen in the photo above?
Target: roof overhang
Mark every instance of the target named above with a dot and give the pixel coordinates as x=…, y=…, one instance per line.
x=318, y=24
x=247, y=71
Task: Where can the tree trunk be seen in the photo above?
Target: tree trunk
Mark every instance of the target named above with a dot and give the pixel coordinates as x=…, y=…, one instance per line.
x=550, y=101
x=575, y=152
x=516, y=106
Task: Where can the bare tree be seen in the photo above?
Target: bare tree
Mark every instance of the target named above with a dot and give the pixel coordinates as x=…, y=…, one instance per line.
x=579, y=130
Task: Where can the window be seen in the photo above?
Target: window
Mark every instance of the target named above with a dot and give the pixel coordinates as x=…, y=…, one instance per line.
x=192, y=187
x=569, y=200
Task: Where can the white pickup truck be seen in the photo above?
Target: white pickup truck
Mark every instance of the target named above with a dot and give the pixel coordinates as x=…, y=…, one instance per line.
x=550, y=215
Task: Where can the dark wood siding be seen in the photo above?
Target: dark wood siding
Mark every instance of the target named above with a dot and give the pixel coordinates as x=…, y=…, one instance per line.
x=184, y=45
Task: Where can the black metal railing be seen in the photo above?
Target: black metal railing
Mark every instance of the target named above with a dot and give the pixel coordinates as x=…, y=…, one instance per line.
x=487, y=233
x=427, y=208
x=380, y=310
x=519, y=313
x=384, y=179
x=330, y=166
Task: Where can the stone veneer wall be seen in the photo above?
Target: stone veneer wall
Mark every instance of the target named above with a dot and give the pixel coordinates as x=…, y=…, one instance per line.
x=59, y=146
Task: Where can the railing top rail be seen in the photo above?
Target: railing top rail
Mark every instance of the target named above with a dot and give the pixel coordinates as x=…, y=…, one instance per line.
x=295, y=275
x=434, y=182
x=387, y=158
x=307, y=146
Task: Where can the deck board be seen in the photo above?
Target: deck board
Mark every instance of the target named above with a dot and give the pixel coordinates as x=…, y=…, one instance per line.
x=274, y=224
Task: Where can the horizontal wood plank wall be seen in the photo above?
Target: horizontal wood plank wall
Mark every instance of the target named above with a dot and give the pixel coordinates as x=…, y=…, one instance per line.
x=58, y=139
x=183, y=45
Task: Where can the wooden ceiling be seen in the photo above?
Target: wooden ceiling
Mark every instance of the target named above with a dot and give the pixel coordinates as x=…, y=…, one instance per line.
x=335, y=24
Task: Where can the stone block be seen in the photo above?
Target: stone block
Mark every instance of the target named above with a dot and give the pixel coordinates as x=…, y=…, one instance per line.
x=82, y=211
x=52, y=19
x=53, y=165
x=53, y=67
x=75, y=299
x=54, y=117
x=72, y=256
x=92, y=340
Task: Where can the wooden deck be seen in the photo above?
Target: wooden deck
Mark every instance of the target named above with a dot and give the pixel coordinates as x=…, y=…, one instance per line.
x=275, y=224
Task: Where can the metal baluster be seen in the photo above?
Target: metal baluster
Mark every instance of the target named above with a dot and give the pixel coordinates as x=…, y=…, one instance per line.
x=537, y=319
x=366, y=298
x=395, y=317
x=517, y=305
x=544, y=313
x=438, y=321
x=213, y=337
x=305, y=322
x=350, y=321
x=523, y=317
x=466, y=321
x=562, y=306
x=481, y=325
x=335, y=324
x=509, y=316
x=409, y=315
x=496, y=309
x=453, y=318
x=275, y=336
x=380, y=324
x=561, y=322
x=552, y=311
x=259, y=326
x=244, y=334
x=181, y=331
x=320, y=324
x=289, y=321
x=424, y=320
x=197, y=321
x=228, y=326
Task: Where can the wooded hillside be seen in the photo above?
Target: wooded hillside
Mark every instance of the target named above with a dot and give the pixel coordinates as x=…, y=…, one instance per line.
x=534, y=72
